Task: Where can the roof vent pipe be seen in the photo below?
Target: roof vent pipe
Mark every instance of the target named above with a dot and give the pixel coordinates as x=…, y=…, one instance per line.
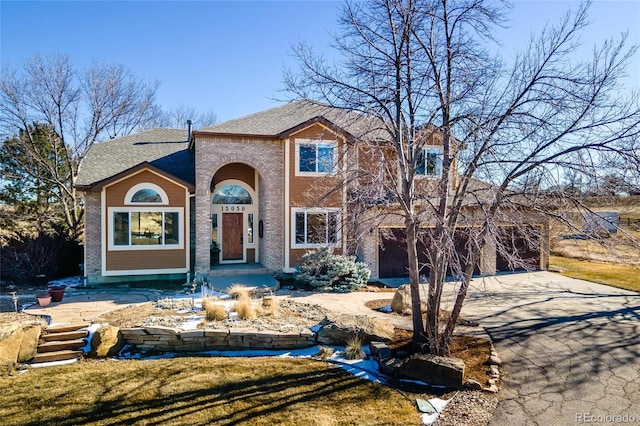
x=189, y=130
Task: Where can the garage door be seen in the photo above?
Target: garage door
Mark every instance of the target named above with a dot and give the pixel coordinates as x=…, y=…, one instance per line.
x=515, y=245
x=392, y=253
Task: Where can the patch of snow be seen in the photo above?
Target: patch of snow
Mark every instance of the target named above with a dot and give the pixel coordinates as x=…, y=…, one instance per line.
x=438, y=405
x=316, y=328
x=386, y=309
x=191, y=323
x=53, y=363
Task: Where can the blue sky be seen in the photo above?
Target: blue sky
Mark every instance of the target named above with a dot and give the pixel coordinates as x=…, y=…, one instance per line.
x=228, y=56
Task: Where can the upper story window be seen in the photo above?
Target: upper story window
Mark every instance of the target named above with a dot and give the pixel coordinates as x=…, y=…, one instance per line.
x=315, y=156
x=146, y=193
x=430, y=162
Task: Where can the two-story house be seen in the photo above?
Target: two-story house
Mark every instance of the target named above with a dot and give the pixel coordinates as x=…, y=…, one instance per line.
x=261, y=189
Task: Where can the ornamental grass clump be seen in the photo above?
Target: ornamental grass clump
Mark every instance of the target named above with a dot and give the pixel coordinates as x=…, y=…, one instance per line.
x=239, y=291
x=215, y=312
x=244, y=308
x=353, y=350
x=325, y=352
x=324, y=271
x=271, y=305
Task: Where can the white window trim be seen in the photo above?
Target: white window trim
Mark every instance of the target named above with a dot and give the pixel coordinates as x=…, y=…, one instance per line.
x=296, y=245
x=317, y=143
x=440, y=150
x=144, y=208
x=146, y=185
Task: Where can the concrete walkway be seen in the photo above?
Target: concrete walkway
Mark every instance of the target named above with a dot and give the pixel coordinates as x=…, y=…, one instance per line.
x=79, y=305
x=571, y=349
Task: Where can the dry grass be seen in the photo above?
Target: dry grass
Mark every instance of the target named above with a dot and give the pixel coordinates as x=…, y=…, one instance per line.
x=200, y=391
x=215, y=312
x=325, y=352
x=245, y=309
x=271, y=305
x=621, y=276
x=239, y=291
x=353, y=349
x=618, y=249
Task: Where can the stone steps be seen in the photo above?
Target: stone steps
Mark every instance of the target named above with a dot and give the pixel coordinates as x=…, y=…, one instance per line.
x=61, y=343
x=65, y=355
x=65, y=335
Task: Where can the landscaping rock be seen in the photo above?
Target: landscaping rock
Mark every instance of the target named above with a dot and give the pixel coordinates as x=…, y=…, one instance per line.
x=379, y=351
x=473, y=385
x=434, y=370
x=107, y=341
x=401, y=302
x=494, y=360
x=491, y=389
x=19, y=341
x=29, y=344
x=10, y=340
x=337, y=329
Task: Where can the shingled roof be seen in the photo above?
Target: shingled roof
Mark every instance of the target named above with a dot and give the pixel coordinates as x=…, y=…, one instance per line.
x=280, y=121
x=166, y=149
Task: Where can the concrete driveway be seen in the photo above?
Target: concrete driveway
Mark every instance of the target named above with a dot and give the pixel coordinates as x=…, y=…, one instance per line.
x=570, y=348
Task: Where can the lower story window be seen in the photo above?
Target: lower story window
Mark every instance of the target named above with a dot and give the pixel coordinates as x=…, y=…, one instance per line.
x=316, y=227
x=146, y=228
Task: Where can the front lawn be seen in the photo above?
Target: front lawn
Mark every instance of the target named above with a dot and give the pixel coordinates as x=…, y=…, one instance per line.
x=199, y=391
x=620, y=276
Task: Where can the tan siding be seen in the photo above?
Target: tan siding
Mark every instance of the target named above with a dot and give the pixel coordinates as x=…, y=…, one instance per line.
x=296, y=255
x=311, y=191
x=117, y=191
x=146, y=259
x=237, y=171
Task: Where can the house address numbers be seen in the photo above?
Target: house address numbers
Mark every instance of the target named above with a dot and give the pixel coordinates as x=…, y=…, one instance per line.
x=232, y=208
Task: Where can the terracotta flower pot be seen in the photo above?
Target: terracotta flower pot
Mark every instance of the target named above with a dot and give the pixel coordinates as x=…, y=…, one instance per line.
x=43, y=299
x=56, y=294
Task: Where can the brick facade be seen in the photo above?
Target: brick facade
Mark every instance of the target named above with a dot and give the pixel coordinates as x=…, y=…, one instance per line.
x=266, y=157
x=93, y=236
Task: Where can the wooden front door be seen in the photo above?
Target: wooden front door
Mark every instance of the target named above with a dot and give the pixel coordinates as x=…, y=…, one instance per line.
x=232, y=231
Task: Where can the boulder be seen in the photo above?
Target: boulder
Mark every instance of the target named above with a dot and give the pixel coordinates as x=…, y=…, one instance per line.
x=10, y=340
x=336, y=329
x=29, y=344
x=473, y=384
x=434, y=370
x=401, y=302
x=107, y=341
x=19, y=341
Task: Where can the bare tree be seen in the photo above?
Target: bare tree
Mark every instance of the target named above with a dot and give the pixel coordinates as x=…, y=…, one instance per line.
x=78, y=108
x=506, y=133
x=178, y=117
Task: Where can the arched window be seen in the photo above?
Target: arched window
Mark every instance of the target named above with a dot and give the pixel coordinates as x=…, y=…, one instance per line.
x=232, y=194
x=146, y=193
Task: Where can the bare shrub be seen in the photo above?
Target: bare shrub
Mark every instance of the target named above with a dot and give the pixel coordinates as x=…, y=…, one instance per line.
x=353, y=350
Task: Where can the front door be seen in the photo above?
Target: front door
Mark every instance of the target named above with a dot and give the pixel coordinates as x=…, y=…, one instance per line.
x=232, y=231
